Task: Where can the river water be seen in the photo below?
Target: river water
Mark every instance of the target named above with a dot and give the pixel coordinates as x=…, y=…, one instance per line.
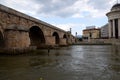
x=66, y=63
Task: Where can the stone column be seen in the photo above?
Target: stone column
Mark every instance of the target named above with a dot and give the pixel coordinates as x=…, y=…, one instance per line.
x=119, y=28
x=109, y=29
x=113, y=28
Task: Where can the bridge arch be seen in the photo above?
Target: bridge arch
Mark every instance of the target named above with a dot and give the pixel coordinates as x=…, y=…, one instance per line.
x=36, y=37
x=57, y=39
x=1, y=40
x=65, y=36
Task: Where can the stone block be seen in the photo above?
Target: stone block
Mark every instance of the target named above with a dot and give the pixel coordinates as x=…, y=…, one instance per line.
x=16, y=39
x=50, y=40
x=63, y=41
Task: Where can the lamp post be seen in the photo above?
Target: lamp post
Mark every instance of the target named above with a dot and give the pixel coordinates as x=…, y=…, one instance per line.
x=76, y=34
x=70, y=30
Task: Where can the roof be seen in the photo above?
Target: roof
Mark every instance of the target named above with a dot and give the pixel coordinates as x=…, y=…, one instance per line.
x=91, y=29
x=115, y=6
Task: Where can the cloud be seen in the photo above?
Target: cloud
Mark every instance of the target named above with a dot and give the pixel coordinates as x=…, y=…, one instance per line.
x=100, y=7
x=61, y=8
x=24, y=6
x=76, y=27
x=66, y=26
x=99, y=4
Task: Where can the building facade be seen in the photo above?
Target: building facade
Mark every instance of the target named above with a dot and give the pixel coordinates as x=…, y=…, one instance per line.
x=104, y=32
x=92, y=33
x=114, y=21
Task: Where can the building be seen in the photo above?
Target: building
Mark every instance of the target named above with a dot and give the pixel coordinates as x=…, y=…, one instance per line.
x=114, y=21
x=92, y=33
x=104, y=32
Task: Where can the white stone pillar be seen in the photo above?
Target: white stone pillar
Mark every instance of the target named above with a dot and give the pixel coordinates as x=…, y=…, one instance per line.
x=109, y=29
x=113, y=28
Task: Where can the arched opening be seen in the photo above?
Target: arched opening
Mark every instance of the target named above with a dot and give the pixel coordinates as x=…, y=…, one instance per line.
x=36, y=37
x=57, y=40
x=1, y=40
x=64, y=36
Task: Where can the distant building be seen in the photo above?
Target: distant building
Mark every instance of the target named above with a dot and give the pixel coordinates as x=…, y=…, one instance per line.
x=91, y=33
x=114, y=21
x=104, y=32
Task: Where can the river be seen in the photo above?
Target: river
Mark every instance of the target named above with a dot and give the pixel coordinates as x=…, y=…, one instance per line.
x=89, y=62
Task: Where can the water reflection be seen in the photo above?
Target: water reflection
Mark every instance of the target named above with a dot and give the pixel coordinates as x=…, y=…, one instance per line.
x=38, y=62
x=115, y=59
x=66, y=63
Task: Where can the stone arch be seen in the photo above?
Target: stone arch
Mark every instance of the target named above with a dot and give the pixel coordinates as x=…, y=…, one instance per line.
x=65, y=36
x=1, y=40
x=68, y=36
x=36, y=37
x=57, y=39
x=1, y=36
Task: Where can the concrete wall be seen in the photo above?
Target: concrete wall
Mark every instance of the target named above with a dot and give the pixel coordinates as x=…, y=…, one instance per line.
x=112, y=41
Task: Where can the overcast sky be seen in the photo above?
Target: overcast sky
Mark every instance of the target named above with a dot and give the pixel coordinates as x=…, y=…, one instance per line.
x=65, y=14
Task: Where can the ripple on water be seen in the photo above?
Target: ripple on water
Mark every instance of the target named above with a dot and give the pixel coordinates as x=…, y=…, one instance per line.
x=68, y=63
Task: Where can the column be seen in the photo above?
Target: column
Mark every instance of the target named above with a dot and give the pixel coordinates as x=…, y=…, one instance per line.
x=119, y=28
x=113, y=28
x=109, y=28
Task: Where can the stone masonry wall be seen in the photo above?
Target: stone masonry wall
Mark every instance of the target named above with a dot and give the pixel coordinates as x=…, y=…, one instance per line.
x=15, y=27
x=50, y=40
x=63, y=42
x=16, y=39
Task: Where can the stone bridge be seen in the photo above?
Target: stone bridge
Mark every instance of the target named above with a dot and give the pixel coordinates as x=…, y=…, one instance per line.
x=20, y=31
